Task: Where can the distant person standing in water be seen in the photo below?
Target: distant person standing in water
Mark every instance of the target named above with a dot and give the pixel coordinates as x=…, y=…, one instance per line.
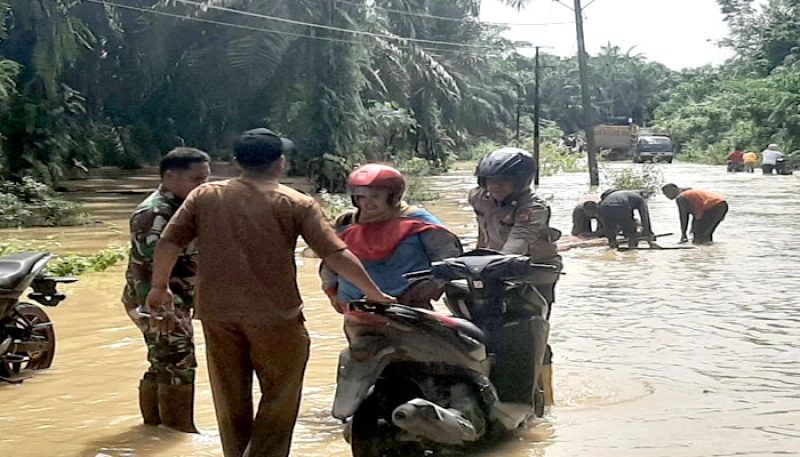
x=769, y=159
x=706, y=208
x=749, y=159
x=736, y=160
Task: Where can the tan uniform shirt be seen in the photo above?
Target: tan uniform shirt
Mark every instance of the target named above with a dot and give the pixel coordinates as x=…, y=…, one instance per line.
x=516, y=226
x=246, y=233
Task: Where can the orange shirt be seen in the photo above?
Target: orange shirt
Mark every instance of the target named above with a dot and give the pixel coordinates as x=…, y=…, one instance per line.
x=246, y=233
x=750, y=157
x=701, y=201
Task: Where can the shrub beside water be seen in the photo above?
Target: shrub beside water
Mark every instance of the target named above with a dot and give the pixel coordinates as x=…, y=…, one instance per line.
x=30, y=203
x=646, y=179
x=76, y=264
x=67, y=264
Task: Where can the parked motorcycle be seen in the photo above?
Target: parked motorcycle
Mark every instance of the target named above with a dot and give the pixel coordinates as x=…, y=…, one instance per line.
x=27, y=338
x=415, y=382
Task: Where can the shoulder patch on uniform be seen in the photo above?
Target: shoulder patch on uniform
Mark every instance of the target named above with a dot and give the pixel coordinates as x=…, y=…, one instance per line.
x=525, y=215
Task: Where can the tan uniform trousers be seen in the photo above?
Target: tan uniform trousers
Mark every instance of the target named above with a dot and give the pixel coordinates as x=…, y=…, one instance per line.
x=278, y=355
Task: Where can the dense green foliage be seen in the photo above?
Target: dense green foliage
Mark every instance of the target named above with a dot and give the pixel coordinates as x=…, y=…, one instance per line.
x=89, y=82
x=752, y=100
x=120, y=83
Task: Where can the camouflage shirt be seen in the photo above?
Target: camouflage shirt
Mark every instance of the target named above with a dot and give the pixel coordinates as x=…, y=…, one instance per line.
x=146, y=224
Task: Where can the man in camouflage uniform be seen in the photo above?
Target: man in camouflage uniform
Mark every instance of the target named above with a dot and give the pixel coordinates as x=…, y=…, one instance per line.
x=513, y=219
x=166, y=392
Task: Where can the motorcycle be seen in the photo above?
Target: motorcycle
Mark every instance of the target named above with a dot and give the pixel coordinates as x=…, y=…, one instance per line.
x=734, y=167
x=415, y=382
x=27, y=338
x=782, y=167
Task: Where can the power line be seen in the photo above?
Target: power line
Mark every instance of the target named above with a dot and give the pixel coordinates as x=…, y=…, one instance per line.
x=453, y=19
x=205, y=6
x=565, y=5
x=209, y=21
x=455, y=46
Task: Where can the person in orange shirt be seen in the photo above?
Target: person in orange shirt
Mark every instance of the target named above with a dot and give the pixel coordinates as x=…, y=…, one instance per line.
x=707, y=209
x=750, y=159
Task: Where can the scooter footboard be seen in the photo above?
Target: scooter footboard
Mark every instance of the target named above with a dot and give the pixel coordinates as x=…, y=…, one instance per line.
x=355, y=378
x=517, y=372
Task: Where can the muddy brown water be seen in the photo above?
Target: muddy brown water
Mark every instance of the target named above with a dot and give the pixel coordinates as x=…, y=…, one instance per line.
x=657, y=353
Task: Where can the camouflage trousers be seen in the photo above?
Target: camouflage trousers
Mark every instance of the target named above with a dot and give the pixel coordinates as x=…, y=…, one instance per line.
x=172, y=357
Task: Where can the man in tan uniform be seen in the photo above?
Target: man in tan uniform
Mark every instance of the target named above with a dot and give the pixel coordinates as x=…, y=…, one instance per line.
x=513, y=219
x=247, y=297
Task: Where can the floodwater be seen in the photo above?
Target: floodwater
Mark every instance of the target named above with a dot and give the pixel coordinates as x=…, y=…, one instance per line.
x=678, y=353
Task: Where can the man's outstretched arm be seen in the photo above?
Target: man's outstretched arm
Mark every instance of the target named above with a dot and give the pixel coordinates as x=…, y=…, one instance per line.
x=347, y=264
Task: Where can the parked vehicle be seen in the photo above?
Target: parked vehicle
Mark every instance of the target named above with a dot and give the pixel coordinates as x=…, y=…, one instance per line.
x=27, y=337
x=415, y=381
x=629, y=142
x=620, y=141
x=654, y=148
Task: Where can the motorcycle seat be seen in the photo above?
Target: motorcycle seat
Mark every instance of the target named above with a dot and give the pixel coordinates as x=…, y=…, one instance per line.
x=16, y=267
x=469, y=329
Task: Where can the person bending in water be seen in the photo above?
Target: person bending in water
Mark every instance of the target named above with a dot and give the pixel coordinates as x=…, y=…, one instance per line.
x=583, y=215
x=616, y=209
x=706, y=208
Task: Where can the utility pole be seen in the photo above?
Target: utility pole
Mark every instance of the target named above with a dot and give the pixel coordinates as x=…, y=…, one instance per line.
x=536, y=106
x=519, y=102
x=594, y=176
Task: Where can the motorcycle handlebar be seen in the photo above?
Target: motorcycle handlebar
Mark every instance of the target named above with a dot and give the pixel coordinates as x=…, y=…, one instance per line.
x=429, y=274
x=544, y=266
x=422, y=274
x=364, y=304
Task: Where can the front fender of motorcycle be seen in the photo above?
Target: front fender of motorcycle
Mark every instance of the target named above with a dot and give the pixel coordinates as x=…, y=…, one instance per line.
x=355, y=378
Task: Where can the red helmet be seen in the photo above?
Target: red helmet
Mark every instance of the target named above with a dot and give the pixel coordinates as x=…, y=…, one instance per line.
x=378, y=175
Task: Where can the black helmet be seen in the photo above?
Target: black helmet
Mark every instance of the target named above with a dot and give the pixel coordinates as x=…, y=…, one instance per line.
x=512, y=164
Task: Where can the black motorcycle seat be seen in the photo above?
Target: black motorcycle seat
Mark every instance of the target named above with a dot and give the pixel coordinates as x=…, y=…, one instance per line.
x=468, y=328
x=15, y=267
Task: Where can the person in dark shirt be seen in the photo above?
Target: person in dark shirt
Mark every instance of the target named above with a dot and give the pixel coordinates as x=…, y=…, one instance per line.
x=616, y=214
x=583, y=214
